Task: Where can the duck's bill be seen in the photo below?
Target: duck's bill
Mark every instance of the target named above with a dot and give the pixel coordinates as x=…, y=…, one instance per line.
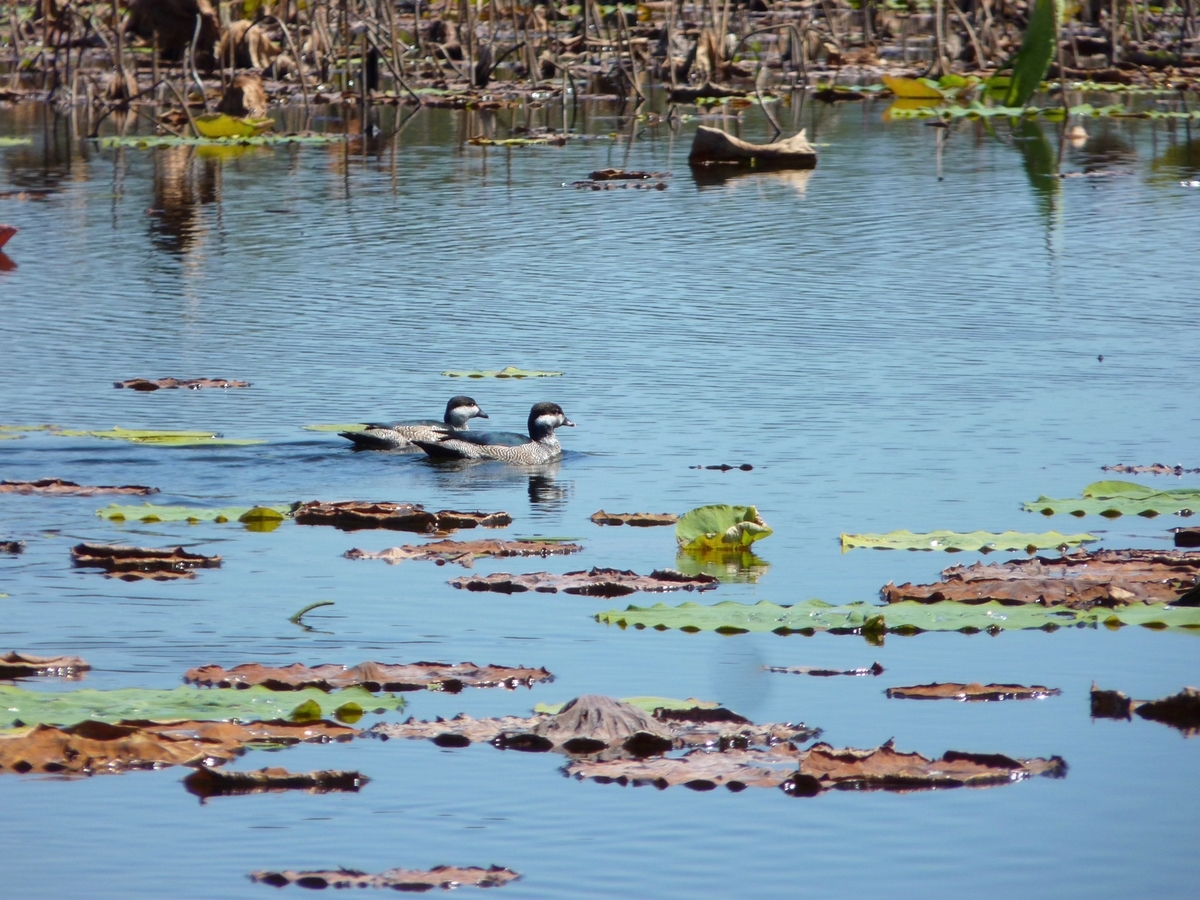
x=481, y=415
x=568, y=423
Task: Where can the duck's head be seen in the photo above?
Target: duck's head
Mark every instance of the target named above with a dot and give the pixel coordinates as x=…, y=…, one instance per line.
x=544, y=418
x=460, y=410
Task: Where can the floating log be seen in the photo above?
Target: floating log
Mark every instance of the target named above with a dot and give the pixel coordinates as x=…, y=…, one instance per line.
x=713, y=146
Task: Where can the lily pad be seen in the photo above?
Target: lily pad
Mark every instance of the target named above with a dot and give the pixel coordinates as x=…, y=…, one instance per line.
x=154, y=142
x=720, y=527
x=974, y=691
x=956, y=541
x=466, y=552
x=1155, y=469
x=373, y=676
x=191, y=703
x=59, y=487
x=595, y=582
x=134, y=563
x=194, y=384
x=649, y=704
x=223, y=125
x=444, y=877
x=907, y=617
x=338, y=426
x=148, y=512
x=26, y=665
x=159, y=438
x=1115, y=498
x=209, y=782
x=506, y=372
x=352, y=515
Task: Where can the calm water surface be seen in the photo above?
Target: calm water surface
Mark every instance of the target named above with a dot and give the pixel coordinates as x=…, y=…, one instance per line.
x=909, y=338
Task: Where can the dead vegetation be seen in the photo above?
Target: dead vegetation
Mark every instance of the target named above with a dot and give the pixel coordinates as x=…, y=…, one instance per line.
x=208, y=782
x=1181, y=711
x=135, y=563
x=464, y=553
x=355, y=515
x=26, y=665
x=193, y=384
x=59, y=487
x=638, y=520
x=444, y=877
x=972, y=691
x=373, y=676
x=594, y=582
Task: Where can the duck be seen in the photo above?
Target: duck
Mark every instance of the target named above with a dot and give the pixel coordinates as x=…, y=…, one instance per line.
x=401, y=435
x=541, y=446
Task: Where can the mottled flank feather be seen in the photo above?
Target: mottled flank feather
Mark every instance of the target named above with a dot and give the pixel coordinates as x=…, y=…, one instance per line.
x=541, y=447
x=404, y=435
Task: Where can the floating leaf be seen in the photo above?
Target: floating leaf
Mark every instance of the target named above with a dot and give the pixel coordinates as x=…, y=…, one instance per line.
x=466, y=552
x=906, y=617
x=26, y=665
x=58, y=487
x=873, y=669
x=132, y=563
x=223, y=125
x=595, y=582
x=148, y=512
x=373, y=676
x=913, y=88
x=1115, y=498
x=352, y=515
x=1155, y=469
x=720, y=527
x=1180, y=710
x=444, y=877
x=195, y=384
x=506, y=372
x=208, y=782
x=973, y=691
x=640, y=520
x=192, y=703
x=160, y=438
x=649, y=704
x=148, y=142
x=1079, y=580
x=952, y=541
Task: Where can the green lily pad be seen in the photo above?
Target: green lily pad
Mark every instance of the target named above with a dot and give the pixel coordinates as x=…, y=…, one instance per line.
x=953, y=541
x=349, y=426
x=506, y=372
x=205, y=704
x=720, y=527
x=649, y=704
x=15, y=142
x=1116, y=498
x=152, y=142
x=907, y=617
x=160, y=438
x=148, y=512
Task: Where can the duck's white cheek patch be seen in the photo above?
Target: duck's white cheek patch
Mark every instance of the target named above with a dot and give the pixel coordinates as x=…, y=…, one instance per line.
x=549, y=421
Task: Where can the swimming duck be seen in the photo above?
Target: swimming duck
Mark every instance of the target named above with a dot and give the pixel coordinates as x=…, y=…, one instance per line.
x=400, y=436
x=541, y=446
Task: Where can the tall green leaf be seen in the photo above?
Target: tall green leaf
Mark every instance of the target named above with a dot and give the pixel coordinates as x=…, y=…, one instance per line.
x=1037, y=50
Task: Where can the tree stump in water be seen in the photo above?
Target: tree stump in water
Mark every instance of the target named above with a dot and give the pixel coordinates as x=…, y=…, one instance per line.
x=713, y=146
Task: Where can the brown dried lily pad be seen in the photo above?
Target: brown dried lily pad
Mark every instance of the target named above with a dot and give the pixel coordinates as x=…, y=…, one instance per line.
x=596, y=582
x=132, y=563
x=242, y=734
x=353, y=515
x=466, y=552
x=13, y=547
x=373, y=676
x=972, y=691
x=873, y=669
x=25, y=665
x=209, y=782
x=444, y=877
x=1077, y=580
x=700, y=770
x=640, y=520
x=59, y=487
x=1180, y=710
x=623, y=175
x=195, y=384
x=1155, y=469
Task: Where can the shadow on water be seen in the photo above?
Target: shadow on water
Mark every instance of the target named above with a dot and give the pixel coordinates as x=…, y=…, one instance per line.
x=546, y=492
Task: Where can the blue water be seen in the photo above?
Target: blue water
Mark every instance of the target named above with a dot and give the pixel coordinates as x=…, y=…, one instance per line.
x=888, y=348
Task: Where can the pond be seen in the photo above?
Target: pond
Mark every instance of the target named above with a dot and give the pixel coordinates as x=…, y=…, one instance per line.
x=922, y=333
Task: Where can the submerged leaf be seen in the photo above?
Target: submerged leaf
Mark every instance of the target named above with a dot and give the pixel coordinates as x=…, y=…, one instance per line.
x=720, y=527
x=974, y=540
x=906, y=617
x=191, y=703
x=506, y=372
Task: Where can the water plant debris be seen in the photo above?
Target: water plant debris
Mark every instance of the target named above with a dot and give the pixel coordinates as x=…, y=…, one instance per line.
x=1116, y=498
x=209, y=782
x=640, y=520
x=873, y=669
x=725, y=467
x=506, y=372
x=353, y=515
x=14, y=547
x=1180, y=710
x=133, y=563
x=972, y=691
x=711, y=146
x=466, y=552
x=952, y=541
x=594, y=582
x=1187, y=537
x=149, y=512
x=59, y=487
x=372, y=676
x=194, y=384
x=1078, y=580
x=444, y=877
x=26, y=665
x=1155, y=469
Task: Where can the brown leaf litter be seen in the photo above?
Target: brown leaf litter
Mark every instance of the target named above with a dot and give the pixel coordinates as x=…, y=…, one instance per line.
x=1180, y=710
x=444, y=877
x=874, y=669
x=133, y=563
x=209, y=782
x=373, y=676
x=465, y=552
x=26, y=665
x=725, y=467
x=13, y=547
x=59, y=487
x=640, y=520
x=352, y=515
x=194, y=384
x=595, y=582
x=972, y=691
x=1155, y=469
x=1077, y=580
x=91, y=748
x=593, y=724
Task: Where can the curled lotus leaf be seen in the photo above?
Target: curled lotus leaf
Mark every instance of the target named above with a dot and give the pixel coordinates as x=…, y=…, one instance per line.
x=1116, y=498
x=906, y=617
x=506, y=372
x=720, y=527
x=181, y=703
x=952, y=541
